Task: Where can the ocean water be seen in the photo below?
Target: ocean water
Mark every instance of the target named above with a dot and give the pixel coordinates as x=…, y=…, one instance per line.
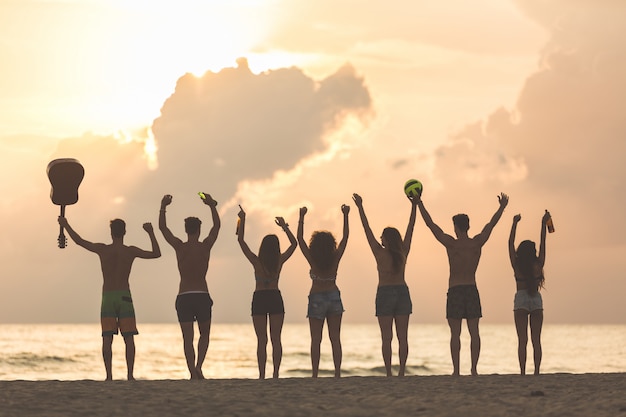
x=73, y=351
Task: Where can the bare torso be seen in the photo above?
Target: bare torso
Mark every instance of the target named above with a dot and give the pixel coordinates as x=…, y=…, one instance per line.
x=193, y=264
x=386, y=273
x=116, y=261
x=463, y=257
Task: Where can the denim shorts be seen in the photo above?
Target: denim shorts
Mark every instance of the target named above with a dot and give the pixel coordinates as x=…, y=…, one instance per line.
x=324, y=304
x=529, y=302
x=393, y=300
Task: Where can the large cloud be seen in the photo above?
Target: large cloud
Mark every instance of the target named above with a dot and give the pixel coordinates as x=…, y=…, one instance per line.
x=235, y=125
x=215, y=131
x=563, y=141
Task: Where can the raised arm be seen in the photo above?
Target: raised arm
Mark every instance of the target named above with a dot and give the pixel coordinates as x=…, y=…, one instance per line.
x=512, y=255
x=374, y=244
x=542, y=242
x=241, y=238
x=482, y=237
x=212, y=236
x=408, y=236
x=301, y=242
x=293, y=243
x=167, y=233
x=341, y=247
x=90, y=246
x=151, y=254
x=439, y=234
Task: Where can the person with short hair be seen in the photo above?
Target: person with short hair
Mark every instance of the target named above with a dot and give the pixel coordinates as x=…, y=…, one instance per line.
x=193, y=302
x=267, y=301
x=117, y=310
x=463, y=300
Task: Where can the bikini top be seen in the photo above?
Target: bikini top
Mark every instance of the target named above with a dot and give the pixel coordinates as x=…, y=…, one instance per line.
x=318, y=278
x=265, y=280
x=519, y=278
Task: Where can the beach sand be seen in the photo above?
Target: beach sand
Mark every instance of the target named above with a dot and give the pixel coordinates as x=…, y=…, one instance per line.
x=485, y=395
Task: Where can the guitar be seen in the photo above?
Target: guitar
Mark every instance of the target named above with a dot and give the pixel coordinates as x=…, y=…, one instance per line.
x=65, y=176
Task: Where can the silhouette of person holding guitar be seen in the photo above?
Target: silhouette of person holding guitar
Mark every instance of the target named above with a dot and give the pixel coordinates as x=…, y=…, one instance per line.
x=193, y=302
x=117, y=312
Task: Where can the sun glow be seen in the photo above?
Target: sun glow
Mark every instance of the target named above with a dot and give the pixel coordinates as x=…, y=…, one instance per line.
x=113, y=63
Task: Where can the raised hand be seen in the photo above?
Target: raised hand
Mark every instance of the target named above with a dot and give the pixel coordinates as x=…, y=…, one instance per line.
x=148, y=227
x=503, y=199
x=280, y=222
x=166, y=200
x=208, y=200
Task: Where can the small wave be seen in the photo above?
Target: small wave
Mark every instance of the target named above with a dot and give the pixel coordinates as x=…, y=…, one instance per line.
x=28, y=359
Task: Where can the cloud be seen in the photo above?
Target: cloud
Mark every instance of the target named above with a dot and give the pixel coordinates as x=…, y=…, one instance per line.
x=215, y=133
x=331, y=27
x=564, y=139
x=233, y=125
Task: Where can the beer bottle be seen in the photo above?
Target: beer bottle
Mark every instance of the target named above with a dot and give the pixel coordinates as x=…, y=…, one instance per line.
x=549, y=223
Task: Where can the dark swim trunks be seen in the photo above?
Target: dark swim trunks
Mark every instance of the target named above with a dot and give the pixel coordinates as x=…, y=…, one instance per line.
x=463, y=302
x=393, y=300
x=194, y=306
x=267, y=302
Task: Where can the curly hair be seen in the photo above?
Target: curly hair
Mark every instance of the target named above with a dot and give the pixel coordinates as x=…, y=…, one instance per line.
x=323, y=246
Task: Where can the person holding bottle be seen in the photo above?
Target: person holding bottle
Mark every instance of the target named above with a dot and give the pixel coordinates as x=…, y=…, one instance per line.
x=193, y=302
x=529, y=279
x=267, y=300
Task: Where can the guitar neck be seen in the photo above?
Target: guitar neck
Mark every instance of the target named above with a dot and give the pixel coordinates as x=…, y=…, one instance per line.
x=61, y=240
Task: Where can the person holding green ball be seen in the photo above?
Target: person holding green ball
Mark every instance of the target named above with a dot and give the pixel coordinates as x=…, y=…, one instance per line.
x=393, y=301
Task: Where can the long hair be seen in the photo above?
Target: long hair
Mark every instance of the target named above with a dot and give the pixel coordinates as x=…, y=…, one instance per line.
x=269, y=253
x=395, y=246
x=525, y=261
x=323, y=246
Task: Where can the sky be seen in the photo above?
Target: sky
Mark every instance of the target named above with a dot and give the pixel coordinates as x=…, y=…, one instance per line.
x=280, y=104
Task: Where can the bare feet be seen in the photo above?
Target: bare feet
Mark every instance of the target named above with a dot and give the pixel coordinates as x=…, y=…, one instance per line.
x=197, y=374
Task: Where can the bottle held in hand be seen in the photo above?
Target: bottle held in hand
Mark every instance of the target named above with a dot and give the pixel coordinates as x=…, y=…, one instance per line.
x=549, y=223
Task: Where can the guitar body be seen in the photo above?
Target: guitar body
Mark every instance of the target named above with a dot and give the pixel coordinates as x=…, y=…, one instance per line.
x=65, y=176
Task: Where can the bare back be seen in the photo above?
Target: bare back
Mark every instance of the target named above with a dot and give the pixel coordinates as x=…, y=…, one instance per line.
x=387, y=275
x=193, y=264
x=116, y=261
x=463, y=252
x=463, y=257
